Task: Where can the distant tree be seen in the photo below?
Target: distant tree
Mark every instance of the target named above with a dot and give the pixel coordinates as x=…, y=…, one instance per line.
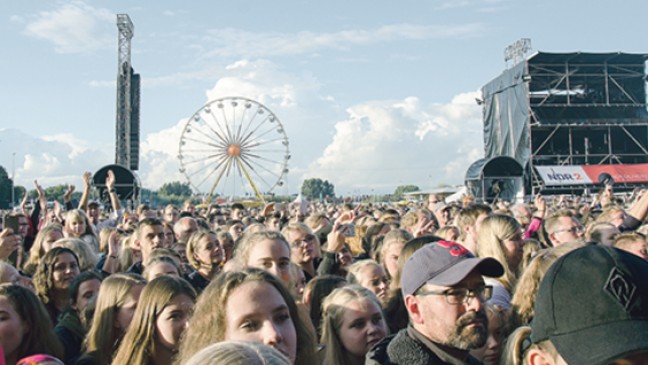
x=317, y=188
x=5, y=189
x=175, y=188
x=401, y=190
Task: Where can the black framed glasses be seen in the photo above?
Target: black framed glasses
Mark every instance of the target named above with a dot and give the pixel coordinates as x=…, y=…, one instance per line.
x=458, y=296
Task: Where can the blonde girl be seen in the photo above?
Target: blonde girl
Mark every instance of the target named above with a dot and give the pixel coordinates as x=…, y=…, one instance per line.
x=369, y=274
x=500, y=237
x=205, y=255
x=266, y=250
x=352, y=322
x=43, y=242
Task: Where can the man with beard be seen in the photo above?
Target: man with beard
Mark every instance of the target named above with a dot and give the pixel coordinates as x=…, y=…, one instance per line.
x=445, y=297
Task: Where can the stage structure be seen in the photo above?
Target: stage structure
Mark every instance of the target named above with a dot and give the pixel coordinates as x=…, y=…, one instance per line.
x=128, y=99
x=559, y=114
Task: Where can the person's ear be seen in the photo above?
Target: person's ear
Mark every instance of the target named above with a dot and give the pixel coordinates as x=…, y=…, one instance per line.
x=413, y=308
x=306, y=297
x=540, y=357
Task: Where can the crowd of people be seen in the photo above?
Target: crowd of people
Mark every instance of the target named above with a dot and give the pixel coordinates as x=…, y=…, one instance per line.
x=558, y=280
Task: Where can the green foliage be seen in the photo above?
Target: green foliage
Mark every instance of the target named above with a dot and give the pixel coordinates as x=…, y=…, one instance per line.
x=5, y=189
x=170, y=193
x=402, y=189
x=56, y=192
x=317, y=188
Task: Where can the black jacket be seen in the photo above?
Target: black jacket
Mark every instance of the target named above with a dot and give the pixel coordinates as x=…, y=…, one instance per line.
x=404, y=349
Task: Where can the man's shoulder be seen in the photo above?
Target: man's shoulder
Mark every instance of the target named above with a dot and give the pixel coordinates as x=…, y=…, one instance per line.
x=401, y=349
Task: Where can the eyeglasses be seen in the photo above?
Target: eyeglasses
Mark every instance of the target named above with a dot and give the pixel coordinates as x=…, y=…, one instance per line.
x=458, y=296
x=573, y=230
x=307, y=239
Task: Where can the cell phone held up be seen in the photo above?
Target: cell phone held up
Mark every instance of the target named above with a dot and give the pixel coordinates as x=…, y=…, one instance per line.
x=11, y=221
x=348, y=230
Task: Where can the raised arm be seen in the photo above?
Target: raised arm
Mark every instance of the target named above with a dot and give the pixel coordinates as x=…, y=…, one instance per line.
x=67, y=198
x=110, y=185
x=87, y=184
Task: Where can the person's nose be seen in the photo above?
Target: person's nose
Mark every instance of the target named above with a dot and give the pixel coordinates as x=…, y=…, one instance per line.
x=474, y=303
x=271, y=334
x=382, y=285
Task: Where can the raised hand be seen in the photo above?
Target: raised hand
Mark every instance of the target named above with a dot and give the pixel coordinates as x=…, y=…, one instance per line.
x=9, y=242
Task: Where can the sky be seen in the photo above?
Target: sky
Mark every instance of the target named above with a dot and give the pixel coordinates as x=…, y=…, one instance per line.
x=371, y=94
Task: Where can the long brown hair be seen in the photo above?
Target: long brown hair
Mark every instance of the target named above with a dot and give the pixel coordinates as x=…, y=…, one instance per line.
x=40, y=339
x=138, y=345
x=103, y=335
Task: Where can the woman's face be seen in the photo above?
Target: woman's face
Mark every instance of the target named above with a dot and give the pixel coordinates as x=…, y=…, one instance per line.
x=64, y=270
x=345, y=258
x=373, y=278
x=172, y=321
x=76, y=226
x=208, y=251
x=49, y=240
x=272, y=256
x=168, y=237
x=363, y=325
x=12, y=328
x=87, y=290
x=302, y=246
x=513, y=248
x=391, y=257
x=236, y=230
x=490, y=352
x=125, y=312
x=256, y=311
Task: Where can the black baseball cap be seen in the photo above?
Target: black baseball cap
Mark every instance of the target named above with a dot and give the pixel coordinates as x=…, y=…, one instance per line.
x=444, y=263
x=593, y=305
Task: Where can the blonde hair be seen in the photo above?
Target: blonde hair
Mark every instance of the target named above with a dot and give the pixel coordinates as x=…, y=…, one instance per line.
x=524, y=296
x=607, y=213
x=37, y=251
x=104, y=238
x=87, y=257
x=243, y=248
x=80, y=215
x=192, y=245
x=494, y=230
x=152, y=261
x=208, y=324
x=447, y=233
x=238, y=353
x=353, y=275
x=138, y=345
x=517, y=346
x=102, y=337
x=392, y=237
x=624, y=239
x=333, y=309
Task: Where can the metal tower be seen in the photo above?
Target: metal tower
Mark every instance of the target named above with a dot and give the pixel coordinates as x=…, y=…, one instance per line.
x=128, y=95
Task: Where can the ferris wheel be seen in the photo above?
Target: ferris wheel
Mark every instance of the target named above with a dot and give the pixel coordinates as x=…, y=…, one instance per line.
x=234, y=148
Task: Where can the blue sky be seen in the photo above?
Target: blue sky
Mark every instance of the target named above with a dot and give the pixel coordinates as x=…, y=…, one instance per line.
x=372, y=94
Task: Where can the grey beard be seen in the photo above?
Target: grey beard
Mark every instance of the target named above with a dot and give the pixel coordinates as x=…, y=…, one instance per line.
x=463, y=338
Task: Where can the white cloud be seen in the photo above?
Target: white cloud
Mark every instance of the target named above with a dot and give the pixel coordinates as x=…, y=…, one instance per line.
x=384, y=144
x=240, y=43
x=158, y=157
x=52, y=160
x=371, y=146
x=74, y=28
